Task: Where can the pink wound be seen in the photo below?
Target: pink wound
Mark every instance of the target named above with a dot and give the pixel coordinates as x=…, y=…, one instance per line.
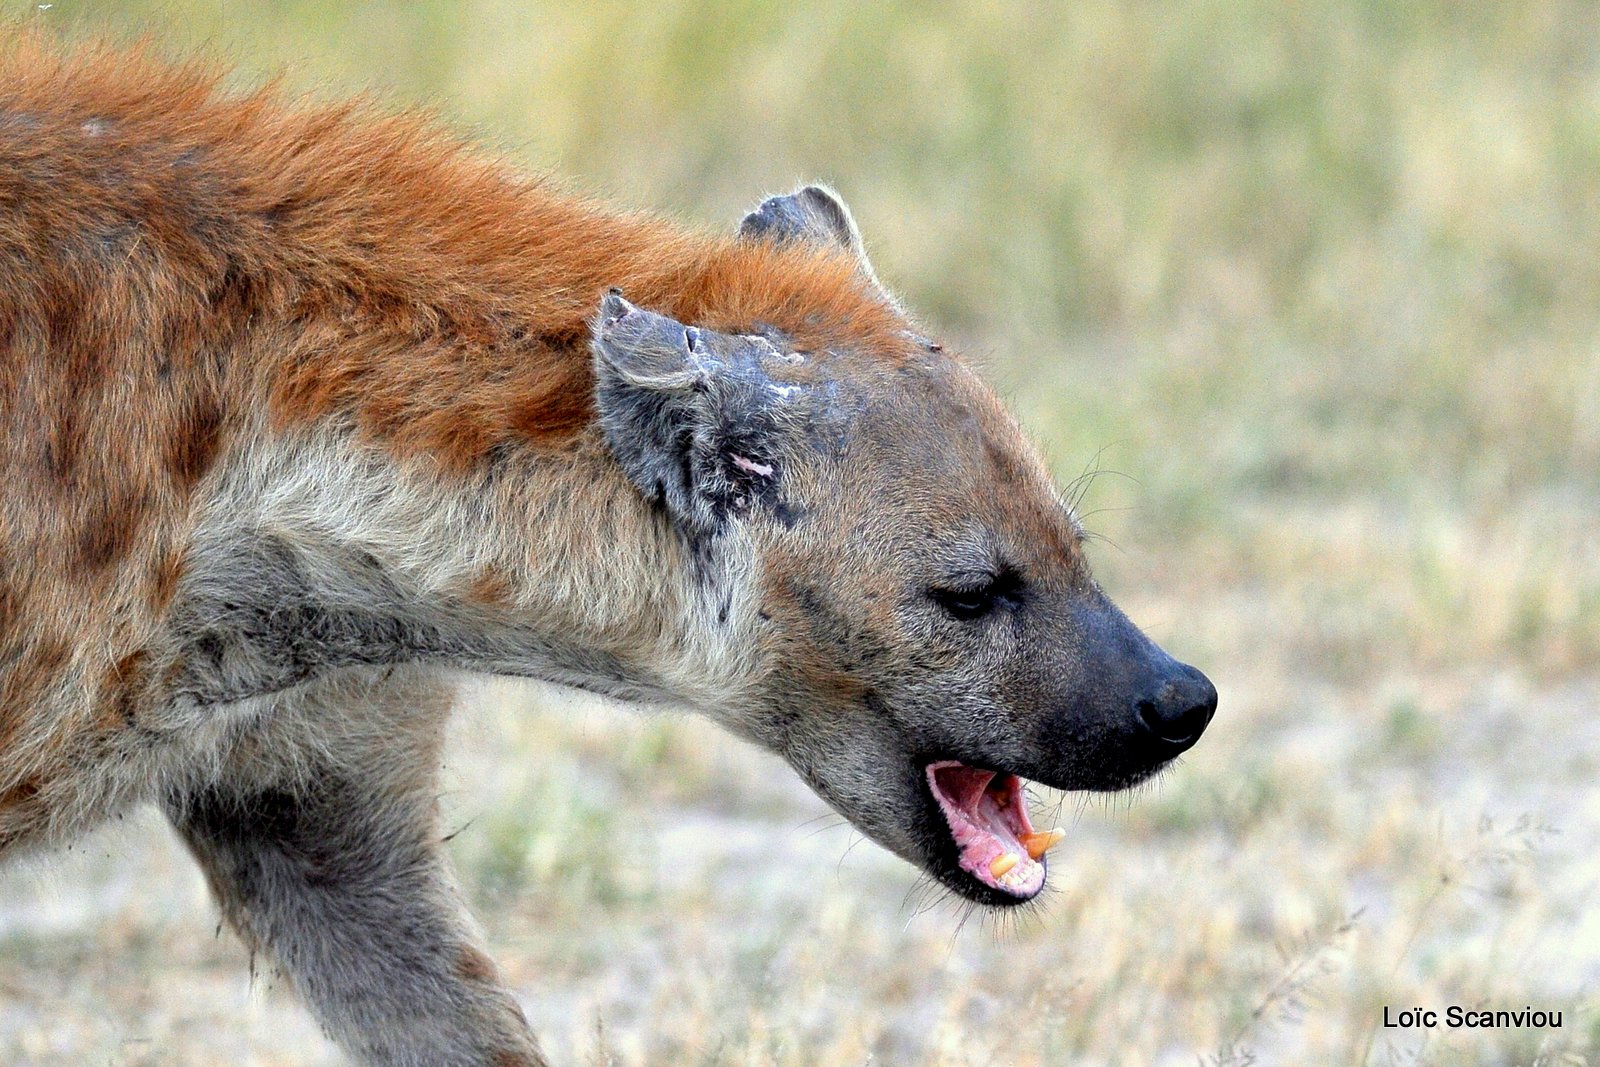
x=759, y=469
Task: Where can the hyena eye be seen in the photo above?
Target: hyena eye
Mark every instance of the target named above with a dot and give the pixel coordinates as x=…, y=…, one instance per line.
x=973, y=601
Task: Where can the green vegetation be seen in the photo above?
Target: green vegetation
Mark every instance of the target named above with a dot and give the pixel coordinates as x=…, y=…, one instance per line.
x=1319, y=281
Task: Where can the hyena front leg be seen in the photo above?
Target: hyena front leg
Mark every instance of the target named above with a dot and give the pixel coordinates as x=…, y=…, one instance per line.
x=333, y=867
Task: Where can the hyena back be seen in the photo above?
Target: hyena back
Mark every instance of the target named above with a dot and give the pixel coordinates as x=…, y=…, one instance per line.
x=308, y=410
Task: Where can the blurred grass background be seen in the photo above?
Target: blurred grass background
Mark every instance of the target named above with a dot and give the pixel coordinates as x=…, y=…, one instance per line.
x=1320, y=281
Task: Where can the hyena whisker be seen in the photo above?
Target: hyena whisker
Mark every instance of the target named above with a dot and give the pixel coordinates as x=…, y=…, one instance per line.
x=1057, y=809
x=1100, y=538
x=1075, y=490
x=856, y=839
x=931, y=894
x=1083, y=490
x=919, y=897
x=964, y=912
x=458, y=831
x=824, y=817
x=1085, y=516
x=820, y=825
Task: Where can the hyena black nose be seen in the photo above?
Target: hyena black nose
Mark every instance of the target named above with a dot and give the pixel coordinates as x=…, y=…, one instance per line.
x=1177, y=709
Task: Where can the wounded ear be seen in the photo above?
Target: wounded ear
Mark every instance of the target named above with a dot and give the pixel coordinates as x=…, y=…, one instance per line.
x=690, y=414
x=813, y=214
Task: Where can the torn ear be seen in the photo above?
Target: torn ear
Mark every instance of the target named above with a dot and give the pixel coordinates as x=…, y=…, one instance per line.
x=813, y=214
x=647, y=350
x=688, y=413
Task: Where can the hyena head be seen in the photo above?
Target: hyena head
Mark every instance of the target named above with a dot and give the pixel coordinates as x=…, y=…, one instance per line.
x=928, y=629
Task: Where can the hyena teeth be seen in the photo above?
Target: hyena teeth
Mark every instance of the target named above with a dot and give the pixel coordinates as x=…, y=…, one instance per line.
x=1001, y=864
x=1041, y=841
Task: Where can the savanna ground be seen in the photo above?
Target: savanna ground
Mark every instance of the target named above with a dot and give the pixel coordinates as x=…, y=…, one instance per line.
x=1316, y=287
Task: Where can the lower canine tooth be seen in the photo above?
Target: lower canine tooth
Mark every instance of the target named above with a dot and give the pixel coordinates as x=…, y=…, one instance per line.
x=1042, y=841
x=1001, y=864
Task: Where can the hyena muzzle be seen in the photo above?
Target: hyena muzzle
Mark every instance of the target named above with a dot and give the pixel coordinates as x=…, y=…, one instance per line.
x=306, y=412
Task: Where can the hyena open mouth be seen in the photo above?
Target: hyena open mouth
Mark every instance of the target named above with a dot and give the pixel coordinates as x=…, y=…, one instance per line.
x=987, y=812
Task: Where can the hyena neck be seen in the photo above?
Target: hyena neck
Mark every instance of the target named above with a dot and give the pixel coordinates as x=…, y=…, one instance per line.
x=320, y=551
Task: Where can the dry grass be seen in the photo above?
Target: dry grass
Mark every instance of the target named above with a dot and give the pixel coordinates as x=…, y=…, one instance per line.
x=1319, y=279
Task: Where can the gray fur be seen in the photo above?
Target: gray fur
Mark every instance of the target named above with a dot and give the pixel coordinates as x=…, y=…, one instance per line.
x=813, y=214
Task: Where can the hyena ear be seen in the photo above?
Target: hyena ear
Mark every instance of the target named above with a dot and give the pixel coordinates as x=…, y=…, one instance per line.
x=690, y=414
x=813, y=214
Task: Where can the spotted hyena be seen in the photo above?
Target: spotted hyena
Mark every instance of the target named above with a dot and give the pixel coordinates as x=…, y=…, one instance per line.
x=307, y=411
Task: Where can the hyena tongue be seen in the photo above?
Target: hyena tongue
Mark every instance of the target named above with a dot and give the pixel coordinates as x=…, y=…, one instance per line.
x=988, y=818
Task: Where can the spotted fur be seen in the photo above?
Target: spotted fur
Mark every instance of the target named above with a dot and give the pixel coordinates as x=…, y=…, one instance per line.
x=309, y=410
